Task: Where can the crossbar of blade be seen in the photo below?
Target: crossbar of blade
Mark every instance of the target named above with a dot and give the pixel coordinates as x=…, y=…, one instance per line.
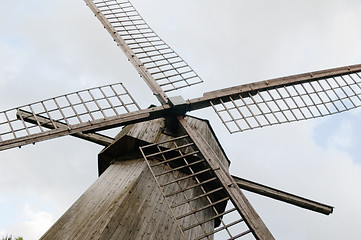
x=287, y=99
x=159, y=65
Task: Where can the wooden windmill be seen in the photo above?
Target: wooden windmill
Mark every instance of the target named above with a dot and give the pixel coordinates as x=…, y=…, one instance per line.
x=171, y=160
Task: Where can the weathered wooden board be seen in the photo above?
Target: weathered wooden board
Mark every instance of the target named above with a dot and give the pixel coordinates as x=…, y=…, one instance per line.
x=124, y=203
x=154, y=131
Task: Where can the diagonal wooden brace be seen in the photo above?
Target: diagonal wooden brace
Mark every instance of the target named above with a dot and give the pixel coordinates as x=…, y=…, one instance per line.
x=283, y=196
x=48, y=123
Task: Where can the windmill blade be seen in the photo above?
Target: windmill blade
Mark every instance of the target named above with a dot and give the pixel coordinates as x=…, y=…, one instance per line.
x=286, y=99
x=249, y=215
x=191, y=176
x=76, y=113
x=161, y=68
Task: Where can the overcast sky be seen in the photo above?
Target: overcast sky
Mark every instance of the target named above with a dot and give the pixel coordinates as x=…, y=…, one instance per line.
x=48, y=48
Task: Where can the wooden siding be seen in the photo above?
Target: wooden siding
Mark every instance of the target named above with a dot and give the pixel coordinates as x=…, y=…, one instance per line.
x=132, y=136
x=125, y=201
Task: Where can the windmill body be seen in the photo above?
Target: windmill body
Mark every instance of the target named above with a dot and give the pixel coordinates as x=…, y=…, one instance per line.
x=161, y=149
x=125, y=203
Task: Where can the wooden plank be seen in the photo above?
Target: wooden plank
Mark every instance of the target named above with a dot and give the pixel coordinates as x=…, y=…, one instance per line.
x=67, y=223
x=123, y=203
x=283, y=196
x=254, y=222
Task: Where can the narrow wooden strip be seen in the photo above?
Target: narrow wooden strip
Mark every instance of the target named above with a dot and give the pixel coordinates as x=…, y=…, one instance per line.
x=186, y=177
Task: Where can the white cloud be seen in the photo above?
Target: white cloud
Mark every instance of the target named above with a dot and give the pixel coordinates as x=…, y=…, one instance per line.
x=343, y=136
x=9, y=69
x=295, y=164
x=33, y=225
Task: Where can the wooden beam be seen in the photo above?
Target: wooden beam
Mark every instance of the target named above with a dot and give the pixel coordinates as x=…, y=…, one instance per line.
x=283, y=196
x=252, y=88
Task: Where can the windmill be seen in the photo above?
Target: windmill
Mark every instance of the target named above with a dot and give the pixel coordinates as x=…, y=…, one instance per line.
x=25, y=112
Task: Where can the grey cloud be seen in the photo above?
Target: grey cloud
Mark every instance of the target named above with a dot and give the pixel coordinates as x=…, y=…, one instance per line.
x=227, y=43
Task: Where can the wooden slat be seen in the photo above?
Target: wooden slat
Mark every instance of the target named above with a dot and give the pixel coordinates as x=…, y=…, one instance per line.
x=123, y=203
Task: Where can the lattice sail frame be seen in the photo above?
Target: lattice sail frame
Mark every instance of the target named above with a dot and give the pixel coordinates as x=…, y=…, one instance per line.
x=289, y=103
x=65, y=111
x=152, y=57
x=185, y=178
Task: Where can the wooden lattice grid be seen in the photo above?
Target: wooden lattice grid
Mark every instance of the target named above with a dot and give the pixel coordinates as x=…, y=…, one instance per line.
x=195, y=196
x=144, y=46
x=66, y=111
x=289, y=103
